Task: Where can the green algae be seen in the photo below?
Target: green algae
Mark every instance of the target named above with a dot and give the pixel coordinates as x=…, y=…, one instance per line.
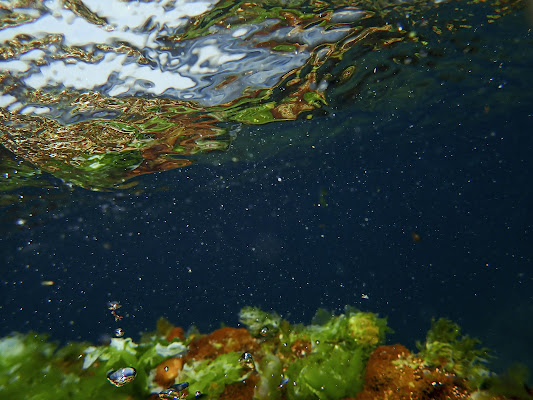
x=33, y=368
x=331, y=371
x=211, y=377
x=334, y=351
x=258, y=321
x=512, y=383
x=323, y=360
x=271, y=374
x=455, y=353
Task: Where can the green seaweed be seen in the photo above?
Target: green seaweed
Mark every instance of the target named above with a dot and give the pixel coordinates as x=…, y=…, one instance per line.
x=333, y=357
x=324, y=360
x=356, y=329
x=258, y=321
x=211, y=377
x=512, y=383
x=270, y=371
x=331, y=372
x=340, y=347
x=455, y=353
x=32, y=368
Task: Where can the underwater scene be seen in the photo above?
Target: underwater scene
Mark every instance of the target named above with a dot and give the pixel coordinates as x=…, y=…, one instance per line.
x=283, y=199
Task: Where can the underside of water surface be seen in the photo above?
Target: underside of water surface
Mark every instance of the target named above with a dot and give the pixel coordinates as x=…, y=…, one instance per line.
x=98, y=93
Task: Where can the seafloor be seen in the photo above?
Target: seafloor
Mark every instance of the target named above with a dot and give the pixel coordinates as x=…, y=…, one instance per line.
x=336, y=357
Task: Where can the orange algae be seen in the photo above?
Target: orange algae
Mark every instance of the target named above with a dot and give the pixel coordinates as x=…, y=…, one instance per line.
x=167, y=372
x=176, y=332
x=301, y=348
x=221, y=341
x=241, y=390
x=393, y=373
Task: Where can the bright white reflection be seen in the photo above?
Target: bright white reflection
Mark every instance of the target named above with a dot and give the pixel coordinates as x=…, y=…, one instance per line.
x=212, y=69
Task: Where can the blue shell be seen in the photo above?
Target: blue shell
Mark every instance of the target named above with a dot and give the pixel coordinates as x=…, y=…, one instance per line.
x=121, y=376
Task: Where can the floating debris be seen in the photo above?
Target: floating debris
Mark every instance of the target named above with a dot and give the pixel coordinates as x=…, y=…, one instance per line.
x=119, y=332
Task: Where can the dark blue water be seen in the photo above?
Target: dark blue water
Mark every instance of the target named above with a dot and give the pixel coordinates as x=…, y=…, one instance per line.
x=317, y=213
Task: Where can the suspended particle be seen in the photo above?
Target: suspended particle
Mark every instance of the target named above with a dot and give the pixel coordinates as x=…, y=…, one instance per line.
x=119, y=332
x=121, y=376
x=263, y=331
x=247, y=360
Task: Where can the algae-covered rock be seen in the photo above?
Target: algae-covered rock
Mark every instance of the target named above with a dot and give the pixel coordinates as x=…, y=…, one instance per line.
x=211, y=377
x=271, y=372
x=367, y=329
x=460, y=354
x=337, y=356
x=259, y=322
x=333, y=371
x=32, y=368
